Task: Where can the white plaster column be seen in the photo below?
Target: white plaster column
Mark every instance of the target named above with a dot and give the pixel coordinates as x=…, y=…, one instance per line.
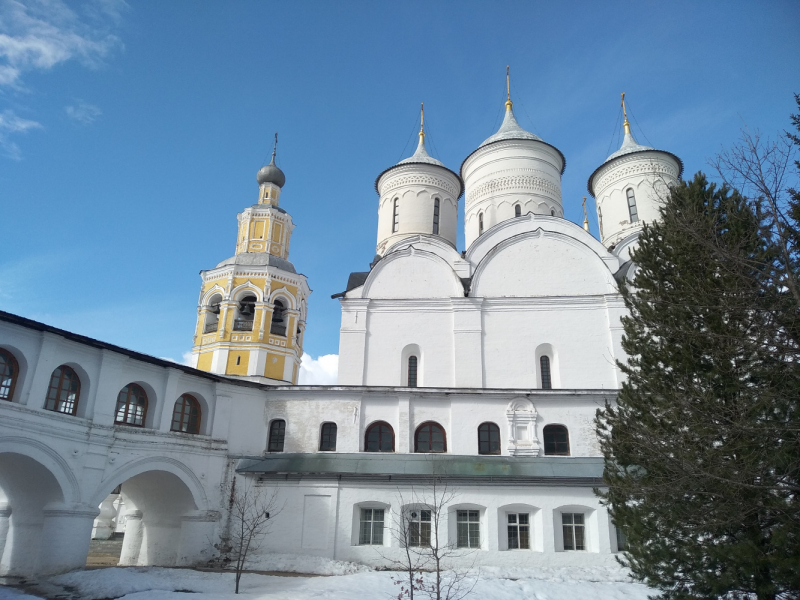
x=132, y=542
x=163, y=417
x=222, y=414
x=103, y=528
x=41, y=370
x=548, y=531
x=5, y=518
x=467, y=342
x=404, y=435
x=66, y=533
x=23, y=540
x=159, y=541
x=353, y=341
x=197, y=537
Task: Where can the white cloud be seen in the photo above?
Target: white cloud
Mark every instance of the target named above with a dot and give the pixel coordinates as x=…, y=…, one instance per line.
x=321, y=371
x=83, y=112
x=40, y=34
x=10, y=123
x=186, y=359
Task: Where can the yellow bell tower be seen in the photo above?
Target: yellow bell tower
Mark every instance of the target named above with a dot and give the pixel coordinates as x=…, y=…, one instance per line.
x=252, y=308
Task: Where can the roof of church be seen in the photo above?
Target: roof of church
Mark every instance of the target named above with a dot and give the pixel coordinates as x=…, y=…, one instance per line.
x=259, y=259
x=511, y=130
x=545, y=470
x=630, y=146
x=420, y=157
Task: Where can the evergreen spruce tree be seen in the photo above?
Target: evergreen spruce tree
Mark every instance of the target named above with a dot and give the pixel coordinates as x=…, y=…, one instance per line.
x=702, y=450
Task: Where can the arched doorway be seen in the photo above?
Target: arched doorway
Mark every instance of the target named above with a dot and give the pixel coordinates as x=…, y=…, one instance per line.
x=164, y=523
x=42, y=529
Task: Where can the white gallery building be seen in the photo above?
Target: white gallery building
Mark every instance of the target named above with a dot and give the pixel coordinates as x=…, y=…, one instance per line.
x=481, y=367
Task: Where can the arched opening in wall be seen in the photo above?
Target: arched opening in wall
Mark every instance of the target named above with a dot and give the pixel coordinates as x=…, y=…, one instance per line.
x=9, y=375
x=31, y=510
x=544, y=373
x=379, y=437
x=488, y=438
x=245, y=313
x=411, y=366
x=517, y=210
x=278, y=325
x=212, y=314
x=435, y=216
x=186, y=415
x=480, y=223
x=151, y=519
x=430, y=437
x=131, y=406
x=277, y=435
x=632, y=211
x=396, y=215
x=556, y=440
x=64, y=391
x=547, y=368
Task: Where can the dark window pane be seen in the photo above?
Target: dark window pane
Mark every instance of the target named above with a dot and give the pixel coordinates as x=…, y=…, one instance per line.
x=379, y=438
x=556, y=440
x=544, y=363
x=277, y=434
x=8, y=375
x=412, y=371
x=327, y=442
x=488, y=439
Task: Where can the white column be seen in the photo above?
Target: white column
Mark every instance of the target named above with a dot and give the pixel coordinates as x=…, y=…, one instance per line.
x=103, y=528
x=66, y=533
x=197, y=538
x=353, y=342
x=5, y=517
x=132, y=542
x=467, y=342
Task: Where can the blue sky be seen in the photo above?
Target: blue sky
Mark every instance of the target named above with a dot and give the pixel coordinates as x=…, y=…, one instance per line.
x=130, y=134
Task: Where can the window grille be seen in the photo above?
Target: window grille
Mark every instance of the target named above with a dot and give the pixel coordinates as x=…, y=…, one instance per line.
x=371, y=530
x=277, y=435
x=556, y=440
x=632, y=206
x=131, y=406
x=9, y=370
x=519, y=532
x=64, y=391
x=412, y=371
x=327, y=438
x=488, y=439
x=574, y=531
x=430, y=437
x=186, y=415
x=544, y=363
x=468, y=526
x=396, y=216
x=517, y=210
x=419, y=528
x=379, y=438
x=436, y=216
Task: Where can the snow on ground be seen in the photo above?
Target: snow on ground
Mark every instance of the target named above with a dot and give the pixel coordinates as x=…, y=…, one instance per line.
x=153, y=583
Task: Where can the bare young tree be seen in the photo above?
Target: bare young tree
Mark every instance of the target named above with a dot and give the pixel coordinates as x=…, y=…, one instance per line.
x=252, y=510
x=431, y=561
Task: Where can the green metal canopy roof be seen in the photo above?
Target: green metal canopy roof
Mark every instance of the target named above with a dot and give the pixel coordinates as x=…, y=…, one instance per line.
x=476, y=470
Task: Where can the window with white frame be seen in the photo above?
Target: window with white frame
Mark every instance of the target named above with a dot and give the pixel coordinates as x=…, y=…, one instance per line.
x=468, y=528
x=519, y=531
x=574, y=529
x=622, y=541
x=419, y=528
x=371, y=530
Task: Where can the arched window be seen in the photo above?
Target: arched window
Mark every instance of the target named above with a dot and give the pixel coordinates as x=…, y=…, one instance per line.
x=277, y=435
x=430, y=437
x=379, y=437
x=544, y=364
x=412, y=371
x=632, y=205
x=480, y=223
x=556, y=440
x=131, y=406
x=396, y=215
x=278, y=325
x=327, y=437
x=436, y=216
x=488, y=438
x=186, y=415
x=64, y=391
x=552, y=212
x=212, y=314
x=517, y=210
x=9, y=371
x=247, y=311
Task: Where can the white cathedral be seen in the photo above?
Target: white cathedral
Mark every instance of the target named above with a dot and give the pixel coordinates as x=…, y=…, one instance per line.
x=483, y=367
